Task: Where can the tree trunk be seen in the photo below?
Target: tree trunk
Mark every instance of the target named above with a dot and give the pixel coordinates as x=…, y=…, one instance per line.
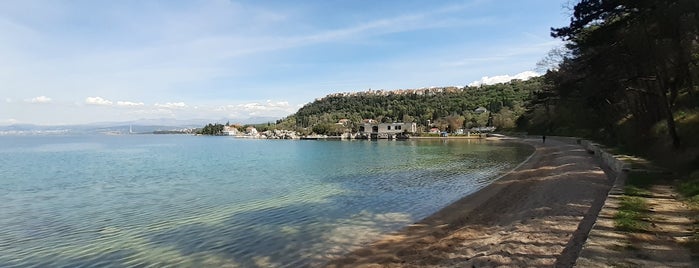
x=661, y=85
x=670, y=119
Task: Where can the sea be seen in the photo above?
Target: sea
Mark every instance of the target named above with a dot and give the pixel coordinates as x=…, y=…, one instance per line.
x=198, y=201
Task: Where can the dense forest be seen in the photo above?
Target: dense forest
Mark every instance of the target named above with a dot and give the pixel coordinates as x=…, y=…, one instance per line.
x=447, y=108
x=628, y=76
x=211, y=129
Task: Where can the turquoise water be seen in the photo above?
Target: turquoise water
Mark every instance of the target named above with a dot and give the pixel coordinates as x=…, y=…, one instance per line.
x=169, y=200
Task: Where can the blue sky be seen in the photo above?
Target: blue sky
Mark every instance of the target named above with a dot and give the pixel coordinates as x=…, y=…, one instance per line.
x=68, y=62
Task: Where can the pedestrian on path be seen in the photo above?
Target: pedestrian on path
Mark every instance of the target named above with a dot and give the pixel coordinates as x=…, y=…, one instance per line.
x=543, y=139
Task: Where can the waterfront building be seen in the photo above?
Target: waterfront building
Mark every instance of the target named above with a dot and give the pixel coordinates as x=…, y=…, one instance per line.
x=230, y=131
x=386, y=130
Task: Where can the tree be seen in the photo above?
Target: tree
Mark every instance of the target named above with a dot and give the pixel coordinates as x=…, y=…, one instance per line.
x=504, y=119
x=629, y=61
x=454, y=122
x=211, y=129
x=480, y=120
x=441, y=124
x=553, y=60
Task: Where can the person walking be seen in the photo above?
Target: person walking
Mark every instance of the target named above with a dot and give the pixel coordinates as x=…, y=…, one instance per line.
x=543, y=139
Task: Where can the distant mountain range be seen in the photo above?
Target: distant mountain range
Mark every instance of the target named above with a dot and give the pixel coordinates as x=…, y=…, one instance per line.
x=135, y=126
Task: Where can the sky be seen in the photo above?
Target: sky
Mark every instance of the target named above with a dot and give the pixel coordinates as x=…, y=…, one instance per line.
x=82, y=61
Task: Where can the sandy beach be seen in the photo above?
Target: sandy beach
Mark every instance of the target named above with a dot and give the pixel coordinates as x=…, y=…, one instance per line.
x=537, y=215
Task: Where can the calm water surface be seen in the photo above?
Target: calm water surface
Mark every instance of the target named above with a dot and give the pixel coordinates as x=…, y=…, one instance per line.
x=168, y=200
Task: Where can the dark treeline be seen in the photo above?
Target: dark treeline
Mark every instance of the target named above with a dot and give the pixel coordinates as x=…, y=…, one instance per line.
x=450, y=109
x=211, y=129
x=629, y=77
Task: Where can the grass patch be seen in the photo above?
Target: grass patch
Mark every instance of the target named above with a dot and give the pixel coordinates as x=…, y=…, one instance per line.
x=630, y=215
x=690, y=190
x=633, y=209
x=643, y=180
x=632, y=203
x=693, y=202
x=629, y=222
x=636, y=191
x=690, y=187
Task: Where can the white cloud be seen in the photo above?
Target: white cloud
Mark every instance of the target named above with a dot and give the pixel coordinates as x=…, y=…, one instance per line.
x=8, y=100
x=160, y=112
x=129, y=104
x=268, y=108
x=172, y=105
x=39, y=99
x=10, y=121
x=97, y=101
x=280, y=104
x=503, y=78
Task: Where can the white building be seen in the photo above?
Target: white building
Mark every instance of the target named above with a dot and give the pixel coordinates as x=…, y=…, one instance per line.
x=386, y=130
x=230, y=131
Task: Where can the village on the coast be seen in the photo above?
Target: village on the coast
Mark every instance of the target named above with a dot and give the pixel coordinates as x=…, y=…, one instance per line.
x=368, y=129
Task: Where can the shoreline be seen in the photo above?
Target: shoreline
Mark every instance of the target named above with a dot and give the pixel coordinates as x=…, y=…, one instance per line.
x=535, y=214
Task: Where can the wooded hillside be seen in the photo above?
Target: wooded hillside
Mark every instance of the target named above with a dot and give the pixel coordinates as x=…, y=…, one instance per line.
x=447, y=108
x=629, y=76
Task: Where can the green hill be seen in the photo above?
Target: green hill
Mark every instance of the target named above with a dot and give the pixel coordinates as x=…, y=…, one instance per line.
x=447, y=108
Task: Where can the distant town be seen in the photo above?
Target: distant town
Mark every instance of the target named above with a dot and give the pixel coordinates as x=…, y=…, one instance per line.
x=368, y=129
x=382, y=92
